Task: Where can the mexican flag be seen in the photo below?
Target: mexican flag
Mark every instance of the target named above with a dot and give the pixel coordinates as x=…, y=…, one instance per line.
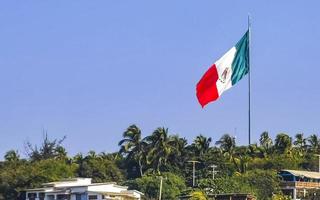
x=225, y=72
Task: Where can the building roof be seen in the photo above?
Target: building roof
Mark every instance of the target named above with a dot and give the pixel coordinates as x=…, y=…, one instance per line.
x=109, y=183
x=307, y=174
x=126, y=192
x=68, y=182
x=67, y=186
x=35, y=189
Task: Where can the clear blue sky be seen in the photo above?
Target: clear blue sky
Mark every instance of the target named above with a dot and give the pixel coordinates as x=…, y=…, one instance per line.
x=89, y=69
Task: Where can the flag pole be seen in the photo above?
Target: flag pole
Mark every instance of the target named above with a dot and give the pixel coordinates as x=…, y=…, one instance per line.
x=249, y=79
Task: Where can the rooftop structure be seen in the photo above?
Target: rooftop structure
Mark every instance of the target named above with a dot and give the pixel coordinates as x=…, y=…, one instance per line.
x=82, y=189
x=299, y=184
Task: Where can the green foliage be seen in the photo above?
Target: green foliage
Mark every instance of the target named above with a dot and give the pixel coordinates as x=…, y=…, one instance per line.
x=278, y=162
x=263, y=182
x=198, y=195
x=133, y=147
x=227, y=145
x=265, y=144
x=161, y=147
x=149, y=185
x=19, y=175
x=314, y=143
x=12, y=156
x=50, y=170
x=280, y=197
x=99, y=169
x=227, y=184
x=140, y=161
x=201, y=145
x=48, y=149
x=283, y=143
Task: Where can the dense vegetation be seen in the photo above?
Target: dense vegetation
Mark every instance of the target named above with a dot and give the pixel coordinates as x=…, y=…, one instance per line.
x=141, y=162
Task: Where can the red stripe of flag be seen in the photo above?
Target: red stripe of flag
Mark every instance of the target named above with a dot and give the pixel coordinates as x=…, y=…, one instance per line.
x=206, y=88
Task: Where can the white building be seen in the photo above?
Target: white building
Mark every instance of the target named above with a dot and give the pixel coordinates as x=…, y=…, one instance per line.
x=82, y=189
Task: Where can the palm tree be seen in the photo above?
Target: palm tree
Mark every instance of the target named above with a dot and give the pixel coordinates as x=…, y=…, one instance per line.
x=265, y=143
x=92, y=155
x=283, y=143
x=227, y=145
x=253, y=150
x=161, y=146
x=110, y=156
x=179, y=153
x=314, y=142
x=61, y=153
x=244, y=161
x=79, y=159
x=133, y=146
x=201, y=145
x=242, y=157
x=300, y=142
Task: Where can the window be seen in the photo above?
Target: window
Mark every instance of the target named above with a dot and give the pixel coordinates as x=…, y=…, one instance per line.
x=41, y=196
x=93, y=197
x=50, y=197
x=78, y=196
x=32, y=196
x=81, y=196
x=63, y=197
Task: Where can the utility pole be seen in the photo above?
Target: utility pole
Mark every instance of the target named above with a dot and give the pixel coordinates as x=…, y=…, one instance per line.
x=213, y=170
x=249, y=79
x=160, y=190
x=319, y=163
x=193, y=171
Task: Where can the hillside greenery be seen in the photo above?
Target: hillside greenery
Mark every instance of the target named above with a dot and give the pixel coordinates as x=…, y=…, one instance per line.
x=142, y=161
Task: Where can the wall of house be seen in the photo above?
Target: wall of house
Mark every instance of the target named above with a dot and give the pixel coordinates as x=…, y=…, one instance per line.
x=86, y=196
x=79, y=189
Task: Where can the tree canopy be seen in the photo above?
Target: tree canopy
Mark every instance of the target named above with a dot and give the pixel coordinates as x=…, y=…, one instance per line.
x=142, y=161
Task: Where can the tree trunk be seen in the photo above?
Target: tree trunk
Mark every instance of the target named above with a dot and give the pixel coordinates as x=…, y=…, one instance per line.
x=140, y=168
